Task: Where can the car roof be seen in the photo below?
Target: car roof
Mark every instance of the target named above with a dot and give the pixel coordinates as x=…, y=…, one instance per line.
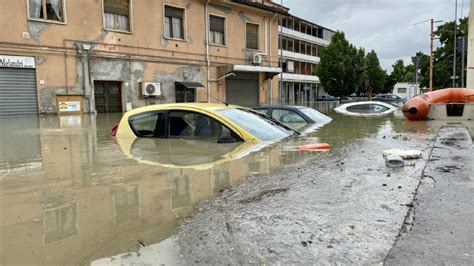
x=366, y=102
x=201, y=106
x=280, y=106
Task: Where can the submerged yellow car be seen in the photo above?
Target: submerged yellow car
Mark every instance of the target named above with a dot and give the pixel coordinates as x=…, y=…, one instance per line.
x=224, y=123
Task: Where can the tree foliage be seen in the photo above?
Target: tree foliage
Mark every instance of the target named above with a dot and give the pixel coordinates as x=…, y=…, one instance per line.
x=341, y=66
x=443, y=55
x=442, y=60
x=376, y=76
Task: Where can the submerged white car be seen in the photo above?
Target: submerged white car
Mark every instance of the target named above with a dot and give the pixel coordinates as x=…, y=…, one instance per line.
x=367, y=108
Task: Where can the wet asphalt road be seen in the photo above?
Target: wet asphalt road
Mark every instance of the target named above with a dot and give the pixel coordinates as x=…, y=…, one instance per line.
x=442, y=232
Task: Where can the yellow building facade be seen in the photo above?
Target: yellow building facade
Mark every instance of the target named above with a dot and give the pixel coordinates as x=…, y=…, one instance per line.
x=116, y=55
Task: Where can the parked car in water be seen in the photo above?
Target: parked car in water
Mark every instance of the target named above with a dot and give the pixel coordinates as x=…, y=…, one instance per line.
x=388, y=98
x=295, y=117
x=366, y=108
x=327, y=97
x=219, y=122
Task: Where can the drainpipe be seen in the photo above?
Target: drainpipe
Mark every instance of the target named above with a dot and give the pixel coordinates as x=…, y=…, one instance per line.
x=84, y=50
x=208, y=62
x=270, y=87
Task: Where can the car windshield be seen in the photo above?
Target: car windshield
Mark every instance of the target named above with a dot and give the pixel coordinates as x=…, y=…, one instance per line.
x=316, y=116
x=263, y=129
x=367, y=108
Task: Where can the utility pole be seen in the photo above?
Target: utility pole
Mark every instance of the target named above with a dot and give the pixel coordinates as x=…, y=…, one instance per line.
x=461, y=42
x=431, y=54
x=432, y=37
x=455, y=44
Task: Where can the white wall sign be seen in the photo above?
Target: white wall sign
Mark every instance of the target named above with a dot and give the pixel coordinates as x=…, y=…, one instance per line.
x=17, y=61
x=69, y=106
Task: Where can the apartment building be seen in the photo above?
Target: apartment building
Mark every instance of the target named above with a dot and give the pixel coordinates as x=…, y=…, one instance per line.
x=299, y=45
x=114, y=55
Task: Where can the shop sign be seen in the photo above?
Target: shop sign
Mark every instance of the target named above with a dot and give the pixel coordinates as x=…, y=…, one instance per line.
x=12, y=61
x=69, y=106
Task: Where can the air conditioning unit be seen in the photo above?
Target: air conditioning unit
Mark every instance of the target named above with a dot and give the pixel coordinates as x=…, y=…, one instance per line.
x=256, y=59
x=151, y=89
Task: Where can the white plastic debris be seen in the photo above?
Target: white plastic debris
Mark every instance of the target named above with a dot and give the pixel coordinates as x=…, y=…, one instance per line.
x=394, y=161
x=404, y=154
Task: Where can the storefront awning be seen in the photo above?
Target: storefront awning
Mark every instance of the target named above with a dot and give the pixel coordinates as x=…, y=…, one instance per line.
x=269, y=71
x=190, y=84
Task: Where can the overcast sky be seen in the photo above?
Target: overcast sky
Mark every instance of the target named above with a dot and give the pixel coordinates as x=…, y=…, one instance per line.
x=373, y=24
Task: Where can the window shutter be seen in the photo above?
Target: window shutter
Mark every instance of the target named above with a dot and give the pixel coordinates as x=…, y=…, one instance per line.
x=216, y=24
x=174, y=12
x=252, y=36
x=118, y=7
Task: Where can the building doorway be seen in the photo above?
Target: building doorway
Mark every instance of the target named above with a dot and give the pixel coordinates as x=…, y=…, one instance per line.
x=108, y=97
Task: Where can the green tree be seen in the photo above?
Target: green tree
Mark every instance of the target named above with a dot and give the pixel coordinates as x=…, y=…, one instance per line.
x=376, y=76
x=340, y=67
x=443, y=55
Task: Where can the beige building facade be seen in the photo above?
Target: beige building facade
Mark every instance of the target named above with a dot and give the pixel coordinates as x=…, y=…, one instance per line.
x=115, y=55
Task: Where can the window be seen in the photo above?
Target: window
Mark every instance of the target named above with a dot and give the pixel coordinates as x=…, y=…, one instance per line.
x=367, y=108
x=287, y=116
x=291, y=45
x=257, y=125
x=313, y=50
x=117, y=15
x=52, y=10
x=290, y=23
x=185, y=95
x=402, y=90
x=146, y=124
x=290, y=66
x=217, y=30
x=174, y=22
x=252, y=36
x=297, y=46
x=185, y=124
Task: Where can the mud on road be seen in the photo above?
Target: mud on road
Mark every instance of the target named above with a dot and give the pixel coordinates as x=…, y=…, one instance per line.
x=344, y=207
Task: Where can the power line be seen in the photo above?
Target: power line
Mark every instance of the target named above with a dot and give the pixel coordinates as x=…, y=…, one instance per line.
x=390, y=31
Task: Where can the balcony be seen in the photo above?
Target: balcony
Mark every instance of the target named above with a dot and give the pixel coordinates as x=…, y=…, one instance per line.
x=299, y=57
x=302, y=36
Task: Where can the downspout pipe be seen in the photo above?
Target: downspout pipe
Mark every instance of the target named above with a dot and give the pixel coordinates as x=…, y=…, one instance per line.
x=270, y=57
x=208, y=62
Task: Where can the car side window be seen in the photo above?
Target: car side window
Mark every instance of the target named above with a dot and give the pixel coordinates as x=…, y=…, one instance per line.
x=262, y=110
x=146, y=124
x=287, y=116
x=185, y=124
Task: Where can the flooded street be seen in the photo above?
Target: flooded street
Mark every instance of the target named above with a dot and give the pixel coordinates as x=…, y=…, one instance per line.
x=70, y=194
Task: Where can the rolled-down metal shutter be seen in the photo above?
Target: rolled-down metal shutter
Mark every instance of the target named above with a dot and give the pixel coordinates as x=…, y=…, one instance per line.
x=242, y=89
x=18, y=91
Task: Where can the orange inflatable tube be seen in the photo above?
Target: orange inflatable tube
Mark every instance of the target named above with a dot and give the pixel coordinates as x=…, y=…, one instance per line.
x=417, y=108
x=314, y=147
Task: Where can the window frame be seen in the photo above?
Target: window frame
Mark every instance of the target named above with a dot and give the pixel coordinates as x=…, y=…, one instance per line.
x=209, y=30
x=130, y=19
x=159, y=123
x=185, y=20
x=169, y=112
x=258, y=36
x=64, y=22
x=289, y=112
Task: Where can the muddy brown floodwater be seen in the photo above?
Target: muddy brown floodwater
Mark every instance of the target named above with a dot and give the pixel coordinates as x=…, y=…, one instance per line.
x=70, y=195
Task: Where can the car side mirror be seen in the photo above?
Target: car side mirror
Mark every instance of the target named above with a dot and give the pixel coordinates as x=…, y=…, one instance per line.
x=226, y=139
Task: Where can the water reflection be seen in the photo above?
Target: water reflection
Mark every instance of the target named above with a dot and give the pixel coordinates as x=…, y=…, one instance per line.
x=89, y=198
x=59, y=217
